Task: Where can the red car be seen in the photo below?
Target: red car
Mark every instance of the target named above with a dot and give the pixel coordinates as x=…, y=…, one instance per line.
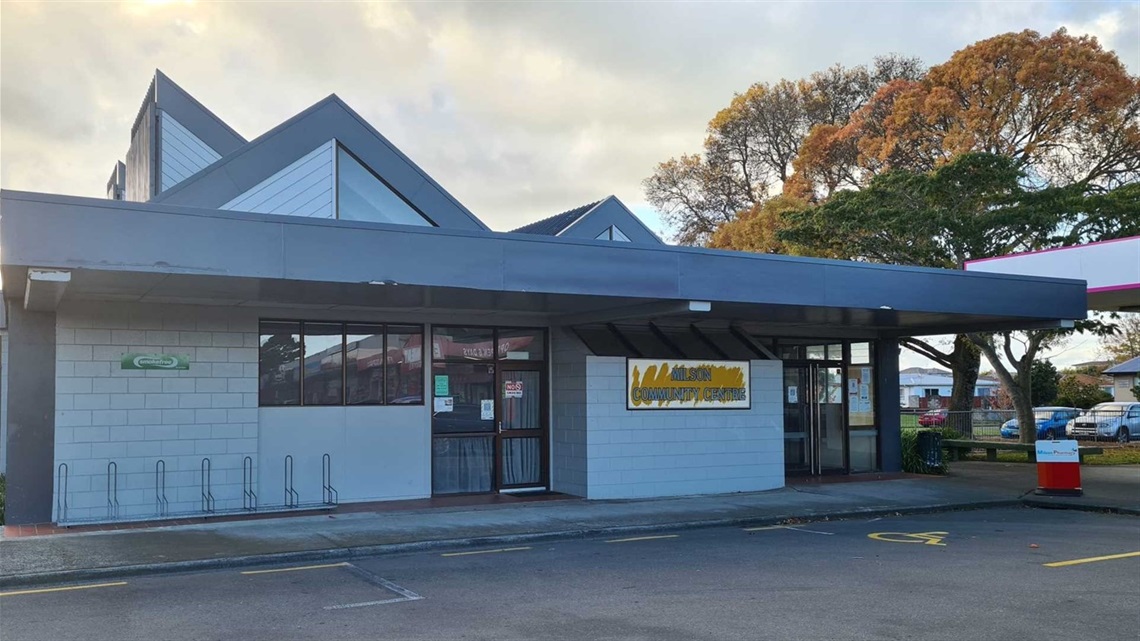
x=933, y=418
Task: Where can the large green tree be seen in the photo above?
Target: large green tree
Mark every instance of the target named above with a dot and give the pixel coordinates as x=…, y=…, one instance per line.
x=974, y=206
x=1064, y=110
x=1044, y=377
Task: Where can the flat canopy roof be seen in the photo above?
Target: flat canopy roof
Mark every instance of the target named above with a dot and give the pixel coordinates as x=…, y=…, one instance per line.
x=1111, y=268
x=121, y=251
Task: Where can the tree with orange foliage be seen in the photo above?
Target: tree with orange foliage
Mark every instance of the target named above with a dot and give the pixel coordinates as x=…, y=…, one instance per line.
x=753, y=142
x=1063, y=108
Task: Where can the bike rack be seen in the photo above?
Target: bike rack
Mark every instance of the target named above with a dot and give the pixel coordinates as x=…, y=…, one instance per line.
x=329, y=495
x=61, y=496
x=161, y=505
x=112, y=490
x=249, y=499
x=291, y=496
x=207, y=496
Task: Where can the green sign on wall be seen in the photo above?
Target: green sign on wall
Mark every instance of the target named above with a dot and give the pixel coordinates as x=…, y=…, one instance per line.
x=155, y=361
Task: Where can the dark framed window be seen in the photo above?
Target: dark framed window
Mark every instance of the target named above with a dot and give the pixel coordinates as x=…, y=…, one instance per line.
x=364, y=364
x=324, y=364
x=320, y=363
x=404, y=364
x=463, y=372
x=279, y=363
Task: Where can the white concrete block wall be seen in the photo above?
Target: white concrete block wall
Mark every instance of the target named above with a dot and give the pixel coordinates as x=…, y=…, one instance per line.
x=648, y=453
x=136, y=417
x=568, y=413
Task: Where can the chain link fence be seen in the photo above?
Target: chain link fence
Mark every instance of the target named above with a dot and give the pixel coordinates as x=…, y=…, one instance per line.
x=1116, y=424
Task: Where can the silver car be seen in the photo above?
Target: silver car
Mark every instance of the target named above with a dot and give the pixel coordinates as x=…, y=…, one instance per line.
x=1120, y=421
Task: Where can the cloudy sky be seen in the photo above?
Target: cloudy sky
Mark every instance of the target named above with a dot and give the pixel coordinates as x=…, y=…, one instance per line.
x=520, y=110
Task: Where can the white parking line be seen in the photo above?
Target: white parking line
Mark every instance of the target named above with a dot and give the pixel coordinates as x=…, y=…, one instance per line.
x=346, y=606
x=785, y=527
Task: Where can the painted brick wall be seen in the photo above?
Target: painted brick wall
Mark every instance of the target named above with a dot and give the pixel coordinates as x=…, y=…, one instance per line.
x=137, y=417
x=568, y=410
x=668, y=453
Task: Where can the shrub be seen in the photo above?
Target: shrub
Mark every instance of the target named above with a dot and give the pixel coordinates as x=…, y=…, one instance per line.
x=912, y=462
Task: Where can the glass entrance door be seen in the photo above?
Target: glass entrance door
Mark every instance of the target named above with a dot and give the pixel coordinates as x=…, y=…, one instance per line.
x=522, y=416
x=814, y=428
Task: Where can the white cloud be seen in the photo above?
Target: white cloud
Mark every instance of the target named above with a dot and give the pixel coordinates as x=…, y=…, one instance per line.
x=520, y=110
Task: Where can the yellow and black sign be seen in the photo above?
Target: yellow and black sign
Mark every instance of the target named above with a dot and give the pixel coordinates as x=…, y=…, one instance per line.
x=653, y=384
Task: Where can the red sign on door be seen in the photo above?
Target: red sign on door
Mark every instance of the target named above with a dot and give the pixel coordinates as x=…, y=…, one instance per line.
x=512, y=389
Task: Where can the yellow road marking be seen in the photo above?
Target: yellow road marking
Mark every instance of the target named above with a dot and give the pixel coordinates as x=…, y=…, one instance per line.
x=64, y=589
x=495, y=551
x=644, y=538
x=929, y=538
x=296, y=569
x=1091, y=559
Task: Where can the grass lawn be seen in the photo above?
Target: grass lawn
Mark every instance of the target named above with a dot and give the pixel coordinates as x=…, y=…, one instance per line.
x=909, y=420
x=1113, y=455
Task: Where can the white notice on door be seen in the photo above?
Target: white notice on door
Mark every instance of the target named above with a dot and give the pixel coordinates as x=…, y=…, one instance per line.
x=487, y=410
x=793, y=394
x=444, y=404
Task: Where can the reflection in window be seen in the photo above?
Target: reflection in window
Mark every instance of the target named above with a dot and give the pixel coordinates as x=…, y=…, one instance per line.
x=343, y=364
x=279, y=368
x=361, y=195
x=463, y=397
x=364, y=364
x=521, y=345
x=463, y=344
x=405, y=365
x=324, y=357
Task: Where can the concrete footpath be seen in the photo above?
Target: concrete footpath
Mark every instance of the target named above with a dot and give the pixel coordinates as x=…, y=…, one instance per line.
x=99, y=555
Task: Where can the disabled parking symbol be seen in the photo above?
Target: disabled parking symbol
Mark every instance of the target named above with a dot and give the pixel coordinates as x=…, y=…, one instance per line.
x=928, y=538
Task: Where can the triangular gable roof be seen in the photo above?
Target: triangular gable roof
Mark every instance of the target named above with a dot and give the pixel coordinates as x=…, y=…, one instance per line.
x=194, y=116
x=554, y=225
x=1130, y=366
x=588, y=221
x=330, y=118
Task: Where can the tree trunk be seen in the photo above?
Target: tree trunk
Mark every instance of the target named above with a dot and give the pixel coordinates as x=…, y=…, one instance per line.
x=1026, y=422
x=966, y=361
x=1018, y=382
x=963, y=362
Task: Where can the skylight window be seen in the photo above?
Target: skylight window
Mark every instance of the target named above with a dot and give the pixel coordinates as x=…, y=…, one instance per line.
x=613, y=233
x=361, y=195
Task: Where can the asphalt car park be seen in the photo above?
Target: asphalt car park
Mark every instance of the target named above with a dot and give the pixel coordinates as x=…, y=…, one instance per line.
x=987, y=574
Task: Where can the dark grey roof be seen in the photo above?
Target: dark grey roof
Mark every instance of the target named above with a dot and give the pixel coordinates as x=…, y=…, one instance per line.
x=124, y=251
x=555, y=224
x=330, y=118
x=1130, y=366
x=193, y=115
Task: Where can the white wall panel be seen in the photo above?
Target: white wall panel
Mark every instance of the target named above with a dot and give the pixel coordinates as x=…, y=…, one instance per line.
x=636, y=454
x=304, y=188
x=377, y=453
x=182, y=154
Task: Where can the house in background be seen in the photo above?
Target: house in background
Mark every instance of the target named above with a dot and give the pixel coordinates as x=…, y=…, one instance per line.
x=930, y=388
x=1125, y=376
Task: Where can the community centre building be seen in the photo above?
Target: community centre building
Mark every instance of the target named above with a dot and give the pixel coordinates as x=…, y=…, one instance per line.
x=308, y=318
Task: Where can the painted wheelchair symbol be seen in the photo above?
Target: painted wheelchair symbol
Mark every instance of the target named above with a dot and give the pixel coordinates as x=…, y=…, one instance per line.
x=928, y=538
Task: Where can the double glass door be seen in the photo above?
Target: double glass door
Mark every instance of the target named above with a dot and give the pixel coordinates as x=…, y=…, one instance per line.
x=815, y=432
